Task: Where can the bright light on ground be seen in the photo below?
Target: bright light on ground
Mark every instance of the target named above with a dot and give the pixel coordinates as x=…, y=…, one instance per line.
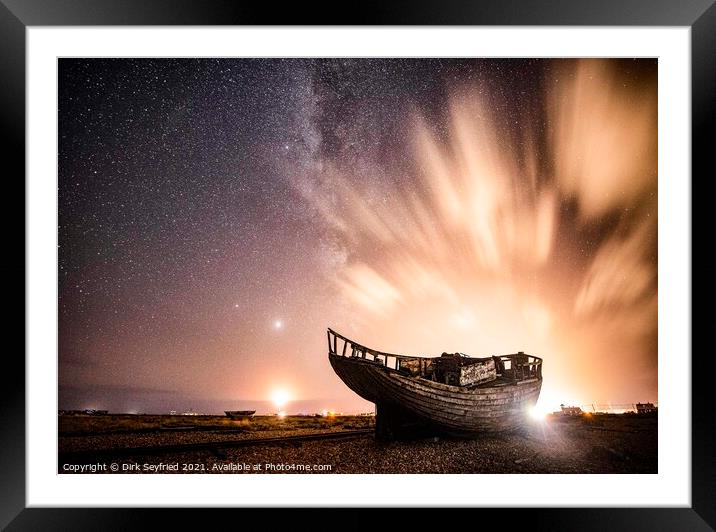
x=282, y=414
x=280, y=398
x=538, y=413
x=278, y=324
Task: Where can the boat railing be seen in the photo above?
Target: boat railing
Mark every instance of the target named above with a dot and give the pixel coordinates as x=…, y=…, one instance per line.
x=516, y=367
x=340, y=345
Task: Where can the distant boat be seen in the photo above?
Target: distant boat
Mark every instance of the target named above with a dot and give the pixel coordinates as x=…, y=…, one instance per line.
x=240, y=414
x=452, y=393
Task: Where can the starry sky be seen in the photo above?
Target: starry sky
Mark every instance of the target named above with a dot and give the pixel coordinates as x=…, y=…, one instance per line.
x=216, y=215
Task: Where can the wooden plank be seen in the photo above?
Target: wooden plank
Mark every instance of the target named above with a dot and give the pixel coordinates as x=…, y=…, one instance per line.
x=374, y=384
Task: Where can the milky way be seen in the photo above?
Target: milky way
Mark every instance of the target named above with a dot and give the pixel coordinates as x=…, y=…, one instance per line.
x=215, y=216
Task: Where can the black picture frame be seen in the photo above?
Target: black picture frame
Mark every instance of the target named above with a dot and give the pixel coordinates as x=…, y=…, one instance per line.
x=17, y=15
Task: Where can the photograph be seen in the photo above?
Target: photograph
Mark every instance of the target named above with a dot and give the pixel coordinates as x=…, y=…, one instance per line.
x=357, y=265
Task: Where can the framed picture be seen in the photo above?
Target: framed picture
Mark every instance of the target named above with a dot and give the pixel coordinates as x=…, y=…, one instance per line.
x=439, y=259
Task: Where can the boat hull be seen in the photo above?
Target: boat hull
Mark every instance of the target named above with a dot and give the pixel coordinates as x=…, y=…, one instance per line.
x=239, y=414
x=451, y=409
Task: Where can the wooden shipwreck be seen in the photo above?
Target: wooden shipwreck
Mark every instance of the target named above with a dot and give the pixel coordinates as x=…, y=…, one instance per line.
x=452, y=393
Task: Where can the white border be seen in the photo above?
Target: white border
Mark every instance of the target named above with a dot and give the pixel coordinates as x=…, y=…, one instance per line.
x=671, y=486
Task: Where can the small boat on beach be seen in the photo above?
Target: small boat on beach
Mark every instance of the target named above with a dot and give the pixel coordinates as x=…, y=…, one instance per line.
x=240, y=414
x=453, y=393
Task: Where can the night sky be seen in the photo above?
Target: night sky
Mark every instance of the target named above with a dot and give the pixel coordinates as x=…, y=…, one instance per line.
x=215, y=216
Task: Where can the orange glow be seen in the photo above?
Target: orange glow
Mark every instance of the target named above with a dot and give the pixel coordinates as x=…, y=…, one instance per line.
x=280, y=398
x=537, y=413
x=482, y=206
x=487, y=263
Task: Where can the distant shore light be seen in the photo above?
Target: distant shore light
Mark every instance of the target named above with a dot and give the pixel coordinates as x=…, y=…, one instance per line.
x=280, y=398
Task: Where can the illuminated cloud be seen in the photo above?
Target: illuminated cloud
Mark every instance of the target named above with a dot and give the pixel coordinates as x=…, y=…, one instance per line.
x=484, y=254
x=604, y=139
